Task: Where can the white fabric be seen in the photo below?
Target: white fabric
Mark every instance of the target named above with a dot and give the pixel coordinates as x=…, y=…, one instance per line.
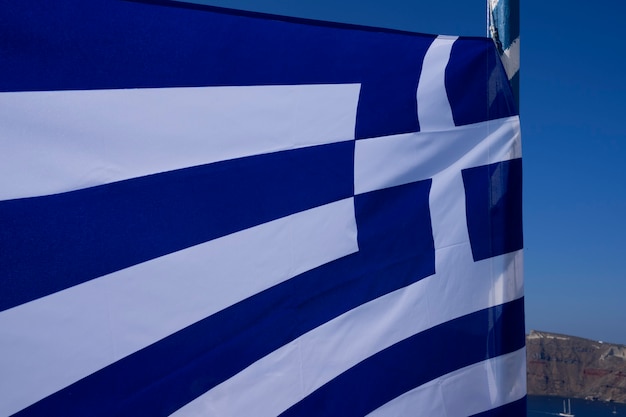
x=511, y=59
x=400, y=159
x=67, y=140
x=433, y=107
x=465, y=392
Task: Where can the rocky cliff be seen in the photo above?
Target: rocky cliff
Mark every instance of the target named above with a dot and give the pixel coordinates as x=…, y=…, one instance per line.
x=570, y=366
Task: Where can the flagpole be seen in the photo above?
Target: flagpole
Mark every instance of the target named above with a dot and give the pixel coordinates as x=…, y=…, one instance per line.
x=503, y=26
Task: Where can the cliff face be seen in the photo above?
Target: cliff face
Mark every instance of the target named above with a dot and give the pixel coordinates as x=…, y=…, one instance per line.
x=570, y=366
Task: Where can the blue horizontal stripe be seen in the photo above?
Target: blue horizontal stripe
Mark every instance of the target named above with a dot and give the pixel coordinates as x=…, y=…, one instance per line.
x=477, y=85
x=100, y=44
x=53, y=242
x=421, y=358
x=167, y=375
x=512, y=409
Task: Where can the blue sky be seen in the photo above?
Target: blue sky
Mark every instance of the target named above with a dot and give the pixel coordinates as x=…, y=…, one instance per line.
x=573, y=100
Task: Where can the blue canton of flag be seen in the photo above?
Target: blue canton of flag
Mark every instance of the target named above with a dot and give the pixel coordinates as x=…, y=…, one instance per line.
x=207, y=212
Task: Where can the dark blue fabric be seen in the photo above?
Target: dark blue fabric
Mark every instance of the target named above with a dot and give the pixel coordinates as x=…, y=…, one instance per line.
x=414, y=361
x=396, y=249
x=53, y=242
x=76, y=44
x=513, y=409
x=493, y=198
x=477, y=85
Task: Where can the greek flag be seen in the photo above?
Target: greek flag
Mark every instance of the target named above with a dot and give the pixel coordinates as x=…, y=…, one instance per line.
x=207, y=212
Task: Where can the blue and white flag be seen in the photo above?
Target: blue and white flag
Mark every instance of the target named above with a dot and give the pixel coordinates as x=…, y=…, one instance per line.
x=207, y=212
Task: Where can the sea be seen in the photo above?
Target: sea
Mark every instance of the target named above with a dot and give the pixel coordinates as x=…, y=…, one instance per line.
x=539, y=406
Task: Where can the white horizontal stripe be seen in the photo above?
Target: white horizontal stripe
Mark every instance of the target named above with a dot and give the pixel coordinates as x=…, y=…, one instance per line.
x=54, y=341
x=401, y=159
x=59, y=141
x=459, y=287
x=468, y=391
x=433, y=108
x=511, y=59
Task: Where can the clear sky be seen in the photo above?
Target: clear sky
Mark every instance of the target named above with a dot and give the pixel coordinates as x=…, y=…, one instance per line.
x=573, y=112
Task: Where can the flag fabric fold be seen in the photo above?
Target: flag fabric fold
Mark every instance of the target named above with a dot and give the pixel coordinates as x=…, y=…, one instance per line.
x=215, y=212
